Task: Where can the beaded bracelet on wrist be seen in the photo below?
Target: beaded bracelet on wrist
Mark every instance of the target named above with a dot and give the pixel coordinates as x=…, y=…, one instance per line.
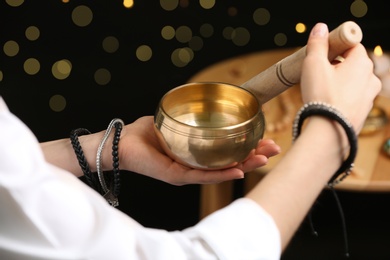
x=110, y=193
x=326, y=110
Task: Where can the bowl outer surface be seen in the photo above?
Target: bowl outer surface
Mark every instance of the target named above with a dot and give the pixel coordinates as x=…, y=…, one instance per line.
x=207, y=145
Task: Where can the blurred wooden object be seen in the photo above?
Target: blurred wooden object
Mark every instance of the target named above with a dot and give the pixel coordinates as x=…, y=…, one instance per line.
x=372, y=168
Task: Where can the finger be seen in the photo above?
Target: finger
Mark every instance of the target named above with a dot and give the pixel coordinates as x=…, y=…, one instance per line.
x=253, y=163
x=268, y=150
x=318, y=43
x=266, y=141
x=210, y=177
x=181, y=175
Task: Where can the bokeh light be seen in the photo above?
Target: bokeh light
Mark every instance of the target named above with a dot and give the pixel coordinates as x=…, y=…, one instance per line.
x=11, y=48
x=32, y=33
x=144, y=53
x=61, y=69
x=359, y=8
x=57, y=103
x=32, y=66
x=82, y=15
x=102, y=76
x=110, y=44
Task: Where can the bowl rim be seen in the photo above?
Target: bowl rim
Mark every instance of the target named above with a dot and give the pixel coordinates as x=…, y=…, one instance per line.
x=258, y=113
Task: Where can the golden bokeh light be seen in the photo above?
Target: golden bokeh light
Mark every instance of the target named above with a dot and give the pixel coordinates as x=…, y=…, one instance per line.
x=32, y=33
x=182, y=56
x=31, y=66
x=183, y=34
x=144, y=53
x=57, y=103
x=168, y=32
x=102, y=76
x=196, y=43
x=207, y=4
x=14, y=3
x=110, y=44
x=82, y=15
x=228, y=32
x=61, y=69
x=280, y=39
x=241, y=36
x=359, y=8
x=261, y=16
x=128, y=3
x=11, y=48
x=206, y=30
x=300, y=28
x=169, y=5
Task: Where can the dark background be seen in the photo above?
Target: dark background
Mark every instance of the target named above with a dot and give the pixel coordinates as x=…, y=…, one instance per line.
x=136, y=87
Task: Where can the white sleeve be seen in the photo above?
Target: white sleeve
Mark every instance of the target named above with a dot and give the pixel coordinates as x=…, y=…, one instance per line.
x=47, y=213
x=242, y=230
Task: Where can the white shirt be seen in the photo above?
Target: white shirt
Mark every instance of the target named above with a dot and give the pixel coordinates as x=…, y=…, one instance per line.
x=48, y=213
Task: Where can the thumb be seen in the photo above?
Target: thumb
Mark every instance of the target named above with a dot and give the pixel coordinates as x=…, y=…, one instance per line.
x=316, y=64
x=318, y=43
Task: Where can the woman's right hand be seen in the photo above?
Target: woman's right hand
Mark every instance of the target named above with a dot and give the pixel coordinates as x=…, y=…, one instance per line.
x=350, y=86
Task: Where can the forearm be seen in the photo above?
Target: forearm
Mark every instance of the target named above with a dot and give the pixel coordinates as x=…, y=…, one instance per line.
x=289, y=190
x=61, y=153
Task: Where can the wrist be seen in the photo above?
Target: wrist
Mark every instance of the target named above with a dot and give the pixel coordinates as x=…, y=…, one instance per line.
x=90, y=144
x=330, y=113
x=84, y=156
x=327, y=126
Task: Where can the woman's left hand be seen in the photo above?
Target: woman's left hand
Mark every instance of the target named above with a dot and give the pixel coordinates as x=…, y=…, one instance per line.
x=140, y=152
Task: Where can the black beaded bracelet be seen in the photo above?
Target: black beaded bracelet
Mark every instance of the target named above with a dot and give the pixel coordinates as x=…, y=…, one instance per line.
x=326, y=110
x=115, y=158
x=110, y=193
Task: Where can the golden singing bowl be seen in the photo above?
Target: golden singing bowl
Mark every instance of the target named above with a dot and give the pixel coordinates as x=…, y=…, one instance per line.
x=209, y=125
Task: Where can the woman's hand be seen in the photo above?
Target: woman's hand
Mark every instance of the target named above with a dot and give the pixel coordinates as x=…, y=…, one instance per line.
x=140, y=152
x=350, y=86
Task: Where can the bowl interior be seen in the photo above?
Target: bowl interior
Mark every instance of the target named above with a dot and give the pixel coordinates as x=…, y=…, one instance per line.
x=210, y=105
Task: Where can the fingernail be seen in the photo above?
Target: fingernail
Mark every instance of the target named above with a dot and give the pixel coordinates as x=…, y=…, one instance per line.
x=241, y=176
x=319, y=30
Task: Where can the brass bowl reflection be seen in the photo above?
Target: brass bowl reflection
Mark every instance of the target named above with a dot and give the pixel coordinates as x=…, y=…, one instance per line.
x=209, y=125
